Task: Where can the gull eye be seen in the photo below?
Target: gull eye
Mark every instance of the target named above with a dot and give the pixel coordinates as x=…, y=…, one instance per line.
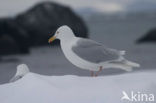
x=57, y=32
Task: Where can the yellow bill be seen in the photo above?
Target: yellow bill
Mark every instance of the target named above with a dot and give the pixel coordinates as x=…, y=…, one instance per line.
x=51, y=39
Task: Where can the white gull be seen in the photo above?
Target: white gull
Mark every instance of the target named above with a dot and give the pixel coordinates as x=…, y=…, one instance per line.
x=22, y=70
x=88, y=54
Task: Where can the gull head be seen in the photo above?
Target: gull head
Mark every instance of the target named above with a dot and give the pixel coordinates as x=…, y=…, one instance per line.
x=22, y=69
x=62, y=32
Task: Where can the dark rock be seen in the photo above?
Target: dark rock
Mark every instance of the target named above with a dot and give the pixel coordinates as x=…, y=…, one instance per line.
x=17, y=37
x=31, y=28
x=149, y=37
x=8, y=45
x=47, y=17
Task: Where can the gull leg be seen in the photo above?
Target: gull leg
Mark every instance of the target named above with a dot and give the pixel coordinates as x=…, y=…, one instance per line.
x=100, y=69
x=92, y=73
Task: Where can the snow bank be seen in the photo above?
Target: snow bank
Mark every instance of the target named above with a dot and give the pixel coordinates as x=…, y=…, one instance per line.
x=35, y=88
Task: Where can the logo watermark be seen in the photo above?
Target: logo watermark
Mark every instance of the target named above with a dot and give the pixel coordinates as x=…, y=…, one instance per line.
x=137, y=96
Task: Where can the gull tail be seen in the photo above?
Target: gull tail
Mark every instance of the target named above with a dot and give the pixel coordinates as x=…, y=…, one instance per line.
x=122, y=52
x=124, y=64
x=127, y=65
x=132, y=64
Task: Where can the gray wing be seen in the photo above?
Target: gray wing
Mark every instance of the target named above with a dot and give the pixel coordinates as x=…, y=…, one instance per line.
x=94, y=52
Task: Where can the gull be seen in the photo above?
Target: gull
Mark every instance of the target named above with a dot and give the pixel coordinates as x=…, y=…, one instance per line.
x=22, y=70
x=88, y=54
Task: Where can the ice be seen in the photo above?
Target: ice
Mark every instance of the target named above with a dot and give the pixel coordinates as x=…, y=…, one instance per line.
x=35, y=88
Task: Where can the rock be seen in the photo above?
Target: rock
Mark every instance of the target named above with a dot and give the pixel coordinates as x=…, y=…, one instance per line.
x=148, y=37
x=12, y=37
x=31, y=28
x=8, y=45
x=46, y=17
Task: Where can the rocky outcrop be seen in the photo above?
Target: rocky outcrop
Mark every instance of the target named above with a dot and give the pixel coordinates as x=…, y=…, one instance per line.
x=32, y=27
x=47, y=17
x=148, y=37
x=13, y=38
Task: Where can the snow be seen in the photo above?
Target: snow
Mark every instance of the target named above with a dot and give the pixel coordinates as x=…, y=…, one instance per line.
x=36, y=88
x=114, y=33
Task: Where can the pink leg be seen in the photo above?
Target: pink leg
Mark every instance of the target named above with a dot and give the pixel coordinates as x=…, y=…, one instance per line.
x=92, y=74
x=100, y=69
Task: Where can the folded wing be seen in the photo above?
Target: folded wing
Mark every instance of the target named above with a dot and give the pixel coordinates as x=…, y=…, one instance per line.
x=94, y=52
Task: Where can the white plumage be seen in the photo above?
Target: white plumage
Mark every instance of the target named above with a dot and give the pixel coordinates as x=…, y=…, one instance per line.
x=22, y=70
x=88, y=54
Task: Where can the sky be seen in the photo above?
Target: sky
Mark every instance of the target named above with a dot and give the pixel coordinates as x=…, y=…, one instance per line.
x=13, y=7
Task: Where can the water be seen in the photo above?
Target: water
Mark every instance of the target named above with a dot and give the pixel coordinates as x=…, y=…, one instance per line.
x=116, y=33
x=122, y=35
